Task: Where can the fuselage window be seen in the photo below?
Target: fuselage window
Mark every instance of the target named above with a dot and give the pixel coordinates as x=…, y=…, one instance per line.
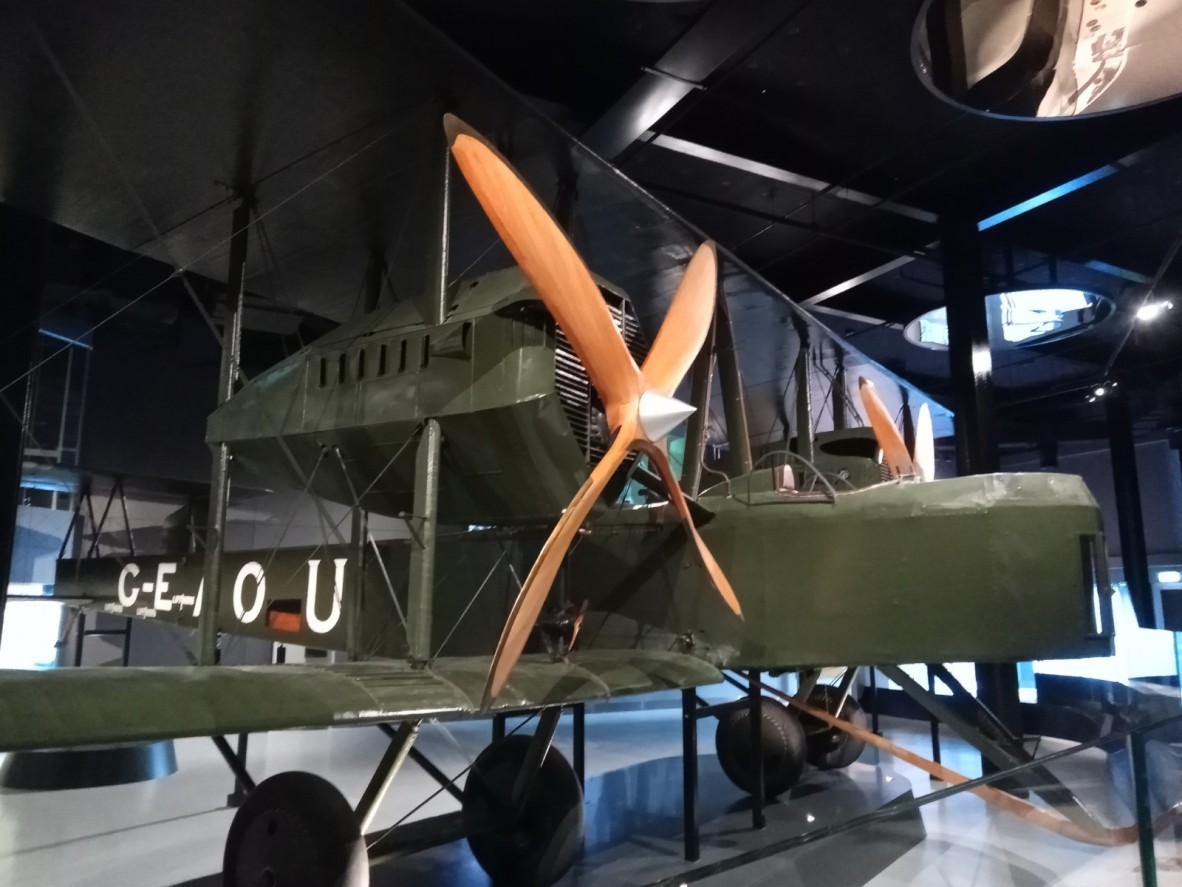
x=361, y=364
x=425, y=357
x=402, y=356
x=382, y=368
x=342, y=368
x=323, y=372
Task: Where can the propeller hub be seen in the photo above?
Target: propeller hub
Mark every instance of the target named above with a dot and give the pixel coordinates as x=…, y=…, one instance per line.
x=659, y=414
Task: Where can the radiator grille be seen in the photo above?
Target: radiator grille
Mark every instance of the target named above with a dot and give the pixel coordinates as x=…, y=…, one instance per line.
x=581, y=404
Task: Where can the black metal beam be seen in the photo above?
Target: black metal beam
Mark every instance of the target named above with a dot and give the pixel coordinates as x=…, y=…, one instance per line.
x=971, y=363
x=721, y=33
x=447, y=783
x=421, y=834
x=579, y=741
x=22, y=277
x=969, y=355
x=1134, y=558
x=759, y=789
x=689, y=774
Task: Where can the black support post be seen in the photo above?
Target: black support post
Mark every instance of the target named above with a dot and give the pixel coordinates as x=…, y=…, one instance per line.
x=22, y=278
x=79, y=637
x=933, y=720
x=238, y=795
x=874, y=725
x=969, y=355
x=971, y=363
x=1133, y=557
x=1143, y=810
x=759, y=789
x=236, y=764
x=689, y=765
x=579, y=741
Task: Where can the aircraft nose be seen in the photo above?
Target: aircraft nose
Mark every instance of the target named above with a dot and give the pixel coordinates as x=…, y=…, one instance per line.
x=660, y=414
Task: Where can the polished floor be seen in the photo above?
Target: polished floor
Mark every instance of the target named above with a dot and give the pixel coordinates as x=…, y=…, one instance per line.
x=170, y=832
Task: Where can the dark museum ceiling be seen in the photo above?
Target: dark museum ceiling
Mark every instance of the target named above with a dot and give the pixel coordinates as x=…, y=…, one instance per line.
x=796, y=134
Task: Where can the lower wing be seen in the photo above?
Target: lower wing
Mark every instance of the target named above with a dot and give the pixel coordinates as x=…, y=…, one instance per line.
x=88, y=706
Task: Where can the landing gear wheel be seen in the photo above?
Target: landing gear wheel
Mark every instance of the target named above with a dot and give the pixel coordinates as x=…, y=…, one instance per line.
x=828, y=747
x=295, y=830
x=535, y=847
x=783, y=748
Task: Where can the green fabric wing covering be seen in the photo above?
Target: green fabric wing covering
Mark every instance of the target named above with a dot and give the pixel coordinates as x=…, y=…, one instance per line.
x=89, y=706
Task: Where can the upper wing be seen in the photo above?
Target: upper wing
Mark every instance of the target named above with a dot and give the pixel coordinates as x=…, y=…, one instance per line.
x=88, y=706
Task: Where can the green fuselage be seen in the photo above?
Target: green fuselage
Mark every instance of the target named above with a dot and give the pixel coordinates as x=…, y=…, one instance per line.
x=988, y=568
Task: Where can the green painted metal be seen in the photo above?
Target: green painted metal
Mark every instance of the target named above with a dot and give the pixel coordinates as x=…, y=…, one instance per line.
x=69, y=707
x=219, y=483
x=986, y=567
x=424, y=524
x=804, y=407
x=487, y=376
x=289, y=595
x=838, y=570
x=733, y=402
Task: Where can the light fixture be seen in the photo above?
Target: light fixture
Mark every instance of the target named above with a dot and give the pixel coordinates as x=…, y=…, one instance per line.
x=1151, y=311
x=1169, y=576
x=1101, y=390
x=1026, y=317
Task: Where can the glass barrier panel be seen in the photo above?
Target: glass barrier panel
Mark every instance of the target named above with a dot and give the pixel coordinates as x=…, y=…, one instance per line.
x=1069, y=817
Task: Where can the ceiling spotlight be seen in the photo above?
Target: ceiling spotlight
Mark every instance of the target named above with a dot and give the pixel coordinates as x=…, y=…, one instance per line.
x=1100, y=391
x=1151, y=311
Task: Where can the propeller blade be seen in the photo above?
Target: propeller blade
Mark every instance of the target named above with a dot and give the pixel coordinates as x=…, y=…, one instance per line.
x=685, y=326
x=552, y=266
x=658, y=458
x=894, y=450
x=924, y=456
x=541, y=576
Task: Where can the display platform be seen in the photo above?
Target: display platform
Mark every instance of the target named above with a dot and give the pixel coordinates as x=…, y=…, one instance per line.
x=635, y=832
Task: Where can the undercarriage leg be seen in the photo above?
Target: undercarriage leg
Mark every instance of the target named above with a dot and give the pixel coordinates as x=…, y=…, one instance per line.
x=385, y=772
x=236, y=797
x=235, y=763
x=539, y=745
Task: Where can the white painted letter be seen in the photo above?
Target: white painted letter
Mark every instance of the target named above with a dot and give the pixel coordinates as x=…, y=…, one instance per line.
x=127, y=595
x=163, y=570
x=254, y=570
x=318, y=625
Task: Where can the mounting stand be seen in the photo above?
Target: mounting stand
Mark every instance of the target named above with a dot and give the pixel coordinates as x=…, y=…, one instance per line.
x=693, y=709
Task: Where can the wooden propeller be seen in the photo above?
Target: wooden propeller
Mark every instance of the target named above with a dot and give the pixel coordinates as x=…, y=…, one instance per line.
x=638, y=401
x=922, y=462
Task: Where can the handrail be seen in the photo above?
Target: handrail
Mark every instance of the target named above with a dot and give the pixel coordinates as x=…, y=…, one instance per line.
x=816, y=473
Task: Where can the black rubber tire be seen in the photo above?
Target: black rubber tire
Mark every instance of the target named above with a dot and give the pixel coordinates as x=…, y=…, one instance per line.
x=537, y=847
x=295, y=830
x=783, y=748
x=828, y=747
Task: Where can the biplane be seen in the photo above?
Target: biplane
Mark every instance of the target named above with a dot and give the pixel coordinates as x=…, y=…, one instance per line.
x=532, y=416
